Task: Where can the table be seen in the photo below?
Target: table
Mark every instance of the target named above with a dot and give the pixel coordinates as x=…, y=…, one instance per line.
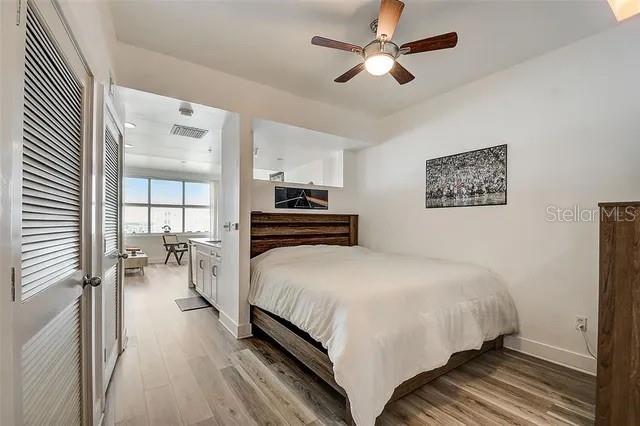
x=139, y=261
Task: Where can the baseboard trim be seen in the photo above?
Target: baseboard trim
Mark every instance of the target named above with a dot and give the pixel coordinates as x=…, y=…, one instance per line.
x=245, y=330
x=552, y=354
x=239, y=331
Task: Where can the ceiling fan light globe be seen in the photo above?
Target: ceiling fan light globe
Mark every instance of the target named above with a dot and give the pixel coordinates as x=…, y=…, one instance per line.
x=379, y=64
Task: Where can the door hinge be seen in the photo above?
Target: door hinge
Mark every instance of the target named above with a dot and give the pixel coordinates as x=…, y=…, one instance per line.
x=19, y=13
x=13, y=284
x=104, y=359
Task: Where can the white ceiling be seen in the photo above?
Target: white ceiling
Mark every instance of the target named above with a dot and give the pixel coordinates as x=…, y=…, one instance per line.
x=283, y=147
x=155, y=148
x=268, y=41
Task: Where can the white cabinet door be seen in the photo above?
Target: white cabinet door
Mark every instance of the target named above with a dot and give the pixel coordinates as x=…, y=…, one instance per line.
x=215, y=270
x=199, y=280
x=206, y=282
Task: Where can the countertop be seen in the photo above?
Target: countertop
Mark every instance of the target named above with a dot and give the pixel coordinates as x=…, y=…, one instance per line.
x=206, y=242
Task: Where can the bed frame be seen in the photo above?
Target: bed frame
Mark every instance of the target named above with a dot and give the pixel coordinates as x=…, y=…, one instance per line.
x=271, y=230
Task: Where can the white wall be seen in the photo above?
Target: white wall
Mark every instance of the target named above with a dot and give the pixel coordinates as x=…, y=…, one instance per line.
x=154, y=72
x=325, y=171
x=233, y=284
x=570, y=119
x=306, y=173
x=341, y=200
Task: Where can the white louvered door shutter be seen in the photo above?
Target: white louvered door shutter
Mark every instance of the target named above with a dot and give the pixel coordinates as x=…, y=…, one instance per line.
x=52, y=160
x=51, y=312
x=112, y=291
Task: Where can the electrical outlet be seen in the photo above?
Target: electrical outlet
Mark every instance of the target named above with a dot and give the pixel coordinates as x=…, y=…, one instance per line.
x=581, y=323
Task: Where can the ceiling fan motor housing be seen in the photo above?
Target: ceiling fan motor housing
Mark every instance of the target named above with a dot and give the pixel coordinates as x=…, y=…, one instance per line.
x=378, y=47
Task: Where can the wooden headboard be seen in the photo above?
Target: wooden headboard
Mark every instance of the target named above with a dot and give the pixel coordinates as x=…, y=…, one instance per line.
x=271, y=230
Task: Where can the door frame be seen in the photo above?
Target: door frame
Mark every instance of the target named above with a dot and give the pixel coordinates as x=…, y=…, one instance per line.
x=12, y=58
x=11, y=90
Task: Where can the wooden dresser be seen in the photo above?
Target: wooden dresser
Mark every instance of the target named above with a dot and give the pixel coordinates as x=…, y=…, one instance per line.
x=618, y=399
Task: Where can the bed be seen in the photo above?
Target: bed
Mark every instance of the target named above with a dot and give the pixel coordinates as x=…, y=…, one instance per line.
x=373, y=326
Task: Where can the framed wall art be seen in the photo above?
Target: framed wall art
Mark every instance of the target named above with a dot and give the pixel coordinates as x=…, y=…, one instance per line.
x=473, y=178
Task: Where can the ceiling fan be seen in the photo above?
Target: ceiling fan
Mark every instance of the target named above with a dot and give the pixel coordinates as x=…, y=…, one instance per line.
x=380, y=56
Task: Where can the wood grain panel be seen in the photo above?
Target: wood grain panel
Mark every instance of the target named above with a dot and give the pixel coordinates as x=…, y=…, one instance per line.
x=618, y=389
x=252, y=398
x=312, y=357
x=298, y=218
x=455, y=361
x=288, y=230
x=261, y=246
x=294, y=411
x=273, y=230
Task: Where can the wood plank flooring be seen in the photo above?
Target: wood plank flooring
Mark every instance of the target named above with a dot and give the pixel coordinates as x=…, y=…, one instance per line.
x=184, y=368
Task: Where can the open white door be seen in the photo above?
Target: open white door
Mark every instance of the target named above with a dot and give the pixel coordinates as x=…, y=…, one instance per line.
x=112, y=256
x=51, y=222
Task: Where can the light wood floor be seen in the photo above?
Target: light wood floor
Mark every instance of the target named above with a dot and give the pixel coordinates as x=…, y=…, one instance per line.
x=183, y=368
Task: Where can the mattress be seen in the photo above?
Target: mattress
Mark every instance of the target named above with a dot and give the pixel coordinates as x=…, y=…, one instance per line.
x=383, y=318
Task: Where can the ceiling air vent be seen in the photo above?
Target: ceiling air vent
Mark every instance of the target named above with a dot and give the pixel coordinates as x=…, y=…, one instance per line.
x=189, y=132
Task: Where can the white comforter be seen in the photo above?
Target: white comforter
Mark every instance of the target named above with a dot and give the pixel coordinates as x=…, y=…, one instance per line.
x=383, y=318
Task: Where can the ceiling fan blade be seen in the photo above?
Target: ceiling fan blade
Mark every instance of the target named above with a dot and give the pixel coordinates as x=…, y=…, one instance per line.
x=350, y=74
x=390, y=11
x=334, y=44
x=401, y=74
x=442, y=41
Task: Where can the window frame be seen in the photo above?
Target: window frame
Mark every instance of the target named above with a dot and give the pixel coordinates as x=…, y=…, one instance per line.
x=181, y=206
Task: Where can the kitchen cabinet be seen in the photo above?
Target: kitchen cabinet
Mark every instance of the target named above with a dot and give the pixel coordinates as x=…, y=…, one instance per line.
x=205, y=269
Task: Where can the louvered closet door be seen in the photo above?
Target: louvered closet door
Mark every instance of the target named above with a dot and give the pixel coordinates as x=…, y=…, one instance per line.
x=51, y=309
x=112, y=293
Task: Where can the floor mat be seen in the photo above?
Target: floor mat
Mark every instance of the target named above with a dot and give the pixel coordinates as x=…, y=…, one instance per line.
x=191, y=303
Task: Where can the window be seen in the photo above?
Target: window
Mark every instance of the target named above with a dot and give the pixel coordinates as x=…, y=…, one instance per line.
x=162, y=217
x=136, y=220
x=196, y=194
x=136, y=190
x=155, y=205
x=197, y=219
x=166, y=191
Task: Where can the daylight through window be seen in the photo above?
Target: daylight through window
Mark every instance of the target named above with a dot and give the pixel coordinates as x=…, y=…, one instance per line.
x=156, y=205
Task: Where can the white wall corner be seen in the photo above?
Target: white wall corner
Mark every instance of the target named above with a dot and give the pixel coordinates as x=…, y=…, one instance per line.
x=239, y=331
x=553, y=354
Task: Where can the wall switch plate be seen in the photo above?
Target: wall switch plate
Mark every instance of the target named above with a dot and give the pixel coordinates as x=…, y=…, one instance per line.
x=581, y=323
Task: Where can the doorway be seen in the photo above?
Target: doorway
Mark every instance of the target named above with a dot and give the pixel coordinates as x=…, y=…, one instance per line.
x=171, y=179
